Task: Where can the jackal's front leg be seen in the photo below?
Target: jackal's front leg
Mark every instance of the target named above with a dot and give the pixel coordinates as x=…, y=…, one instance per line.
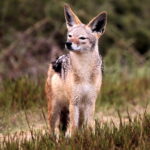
x=89, y=111
x=74, y=119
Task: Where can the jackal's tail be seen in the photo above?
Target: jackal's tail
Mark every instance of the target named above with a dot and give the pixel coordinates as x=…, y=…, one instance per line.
x=48, y=89
x=48, y=81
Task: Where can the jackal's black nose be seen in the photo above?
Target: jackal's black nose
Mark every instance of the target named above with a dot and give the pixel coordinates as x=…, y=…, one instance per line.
x=68, y=45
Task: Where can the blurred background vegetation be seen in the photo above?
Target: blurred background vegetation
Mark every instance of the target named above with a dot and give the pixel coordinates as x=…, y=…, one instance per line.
x=33, y=33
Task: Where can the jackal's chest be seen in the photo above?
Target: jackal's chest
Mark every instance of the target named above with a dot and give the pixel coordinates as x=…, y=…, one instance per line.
x=87, y=76
x=84, y=88
x=84, y=93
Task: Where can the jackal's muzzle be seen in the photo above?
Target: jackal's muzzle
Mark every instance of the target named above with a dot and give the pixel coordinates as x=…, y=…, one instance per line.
x=72, y=46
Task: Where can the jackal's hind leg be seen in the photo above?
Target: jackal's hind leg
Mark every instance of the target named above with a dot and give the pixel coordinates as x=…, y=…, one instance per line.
x=54, y=120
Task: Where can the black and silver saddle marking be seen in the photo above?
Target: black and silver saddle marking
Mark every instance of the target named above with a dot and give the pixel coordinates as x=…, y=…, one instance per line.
x=61, y=65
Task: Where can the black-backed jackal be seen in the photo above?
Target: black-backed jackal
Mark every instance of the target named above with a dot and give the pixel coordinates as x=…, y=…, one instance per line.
x=74, y=80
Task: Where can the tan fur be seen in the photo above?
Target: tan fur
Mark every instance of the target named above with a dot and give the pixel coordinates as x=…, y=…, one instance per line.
x=77, y=90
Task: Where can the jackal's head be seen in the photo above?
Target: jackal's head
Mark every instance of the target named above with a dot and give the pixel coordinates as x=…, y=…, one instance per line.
x=82, y=37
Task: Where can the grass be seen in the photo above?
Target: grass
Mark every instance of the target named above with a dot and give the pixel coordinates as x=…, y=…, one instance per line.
x=22, y=93
x=134, y=135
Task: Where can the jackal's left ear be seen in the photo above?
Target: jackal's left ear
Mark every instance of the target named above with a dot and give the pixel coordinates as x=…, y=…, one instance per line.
x=71, y=18
x=98, y=23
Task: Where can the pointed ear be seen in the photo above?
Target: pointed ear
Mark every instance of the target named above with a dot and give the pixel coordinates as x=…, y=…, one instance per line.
x=71, y=18
x=98, y=23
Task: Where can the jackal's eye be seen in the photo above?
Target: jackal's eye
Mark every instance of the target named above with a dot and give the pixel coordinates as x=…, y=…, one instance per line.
x=82, y=38
x=69, y=35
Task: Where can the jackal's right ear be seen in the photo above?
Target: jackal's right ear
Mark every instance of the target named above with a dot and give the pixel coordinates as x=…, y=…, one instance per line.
x=71, y=18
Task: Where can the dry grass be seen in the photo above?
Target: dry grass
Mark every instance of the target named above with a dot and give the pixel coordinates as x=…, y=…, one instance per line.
x=134, y=135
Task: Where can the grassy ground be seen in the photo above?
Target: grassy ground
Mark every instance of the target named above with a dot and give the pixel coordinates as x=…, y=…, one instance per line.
x=134, y=135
